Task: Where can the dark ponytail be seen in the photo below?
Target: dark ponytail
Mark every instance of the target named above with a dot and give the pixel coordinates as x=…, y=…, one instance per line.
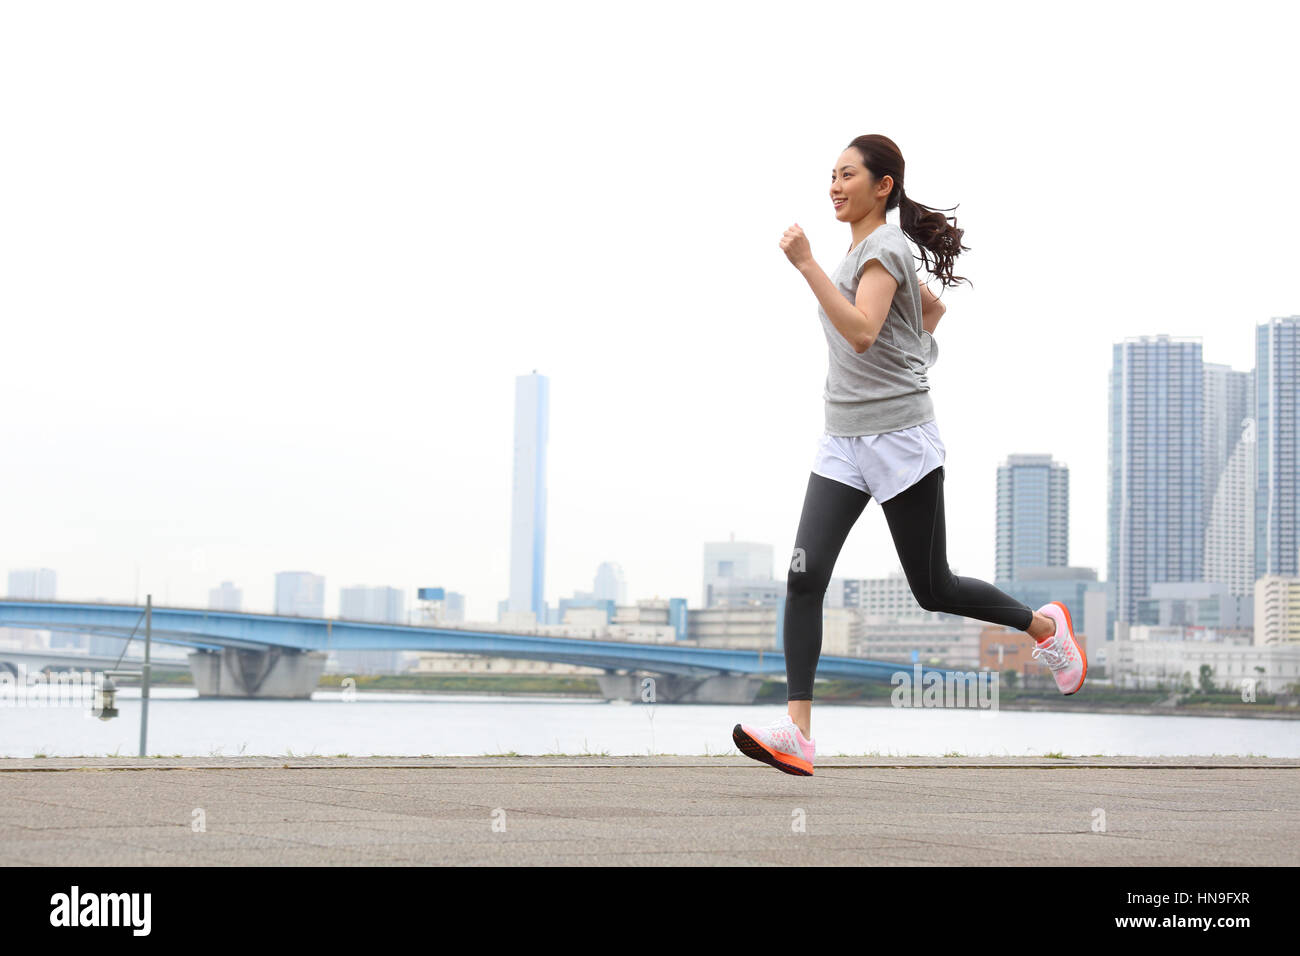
x=928, y=228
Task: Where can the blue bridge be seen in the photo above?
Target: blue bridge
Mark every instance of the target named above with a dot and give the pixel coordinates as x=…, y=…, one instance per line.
x=241, y=654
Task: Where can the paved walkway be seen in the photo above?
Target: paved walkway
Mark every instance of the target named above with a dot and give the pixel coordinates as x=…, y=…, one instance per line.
x=1123, y=811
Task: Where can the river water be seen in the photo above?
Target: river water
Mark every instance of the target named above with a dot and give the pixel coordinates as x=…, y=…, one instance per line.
x=374, y=724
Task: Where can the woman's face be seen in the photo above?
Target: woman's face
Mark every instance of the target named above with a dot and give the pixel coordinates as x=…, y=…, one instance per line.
x=852, y=191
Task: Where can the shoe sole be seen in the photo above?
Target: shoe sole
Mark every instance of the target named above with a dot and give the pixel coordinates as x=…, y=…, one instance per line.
x=753, y=748
x=1082, y=656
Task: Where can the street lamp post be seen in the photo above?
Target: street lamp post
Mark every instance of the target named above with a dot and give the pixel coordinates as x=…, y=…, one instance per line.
x=106, y=700
x=144, y=684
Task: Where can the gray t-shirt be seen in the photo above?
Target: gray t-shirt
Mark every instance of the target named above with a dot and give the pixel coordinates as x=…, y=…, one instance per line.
x=885, y=388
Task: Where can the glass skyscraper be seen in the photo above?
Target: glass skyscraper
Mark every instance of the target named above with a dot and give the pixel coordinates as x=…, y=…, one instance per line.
x=1277, y=387
x=1033, y=515
x=1230, y=478
x=1156, y=461
x=300, y=593
x=383, y=605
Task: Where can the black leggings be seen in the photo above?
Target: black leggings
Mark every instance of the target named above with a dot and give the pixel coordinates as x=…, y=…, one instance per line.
x=916, y=523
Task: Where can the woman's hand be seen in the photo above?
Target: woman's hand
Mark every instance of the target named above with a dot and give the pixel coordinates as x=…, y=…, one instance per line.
x=796, y=248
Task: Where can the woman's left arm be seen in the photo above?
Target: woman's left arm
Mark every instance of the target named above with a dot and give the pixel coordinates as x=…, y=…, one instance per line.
x=932, y=309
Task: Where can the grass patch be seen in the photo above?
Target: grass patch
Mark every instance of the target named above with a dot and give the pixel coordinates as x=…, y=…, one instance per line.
x=505, y=684
x=1226, y=700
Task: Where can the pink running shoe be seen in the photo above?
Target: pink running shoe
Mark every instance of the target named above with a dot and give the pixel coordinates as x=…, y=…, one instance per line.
x=779, y=744
x=1061, y=652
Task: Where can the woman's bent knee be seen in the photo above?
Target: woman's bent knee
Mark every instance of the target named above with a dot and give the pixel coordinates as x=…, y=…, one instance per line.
x=807, y=582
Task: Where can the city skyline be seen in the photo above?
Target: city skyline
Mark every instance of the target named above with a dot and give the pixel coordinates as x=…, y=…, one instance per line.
x=284, y=325
x=532, y=422
x=1210, y=438
x=1181, y=510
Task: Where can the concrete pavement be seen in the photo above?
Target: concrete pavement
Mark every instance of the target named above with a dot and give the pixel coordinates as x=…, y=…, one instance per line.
x=275, y=811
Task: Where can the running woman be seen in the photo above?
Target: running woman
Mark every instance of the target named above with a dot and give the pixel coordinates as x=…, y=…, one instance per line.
x=881, y=439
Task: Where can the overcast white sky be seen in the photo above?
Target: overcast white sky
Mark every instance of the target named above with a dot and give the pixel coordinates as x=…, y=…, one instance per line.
x=270, y=269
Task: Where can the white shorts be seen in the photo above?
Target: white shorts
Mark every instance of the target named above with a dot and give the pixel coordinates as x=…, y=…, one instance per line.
x=881, y=465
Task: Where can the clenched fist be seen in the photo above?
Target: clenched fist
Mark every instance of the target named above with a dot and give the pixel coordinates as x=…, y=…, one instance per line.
x=796, y=248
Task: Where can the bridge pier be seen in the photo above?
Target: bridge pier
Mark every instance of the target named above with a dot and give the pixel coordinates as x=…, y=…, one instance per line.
x=680, y=689
x=237, y=672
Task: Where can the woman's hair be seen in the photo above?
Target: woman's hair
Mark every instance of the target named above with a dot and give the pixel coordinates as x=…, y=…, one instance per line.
x=928, y=228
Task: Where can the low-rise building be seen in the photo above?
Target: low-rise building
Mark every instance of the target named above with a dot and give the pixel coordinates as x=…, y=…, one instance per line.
x=1174, y=663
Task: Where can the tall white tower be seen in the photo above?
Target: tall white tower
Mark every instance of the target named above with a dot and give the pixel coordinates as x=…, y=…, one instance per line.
x=528, y=496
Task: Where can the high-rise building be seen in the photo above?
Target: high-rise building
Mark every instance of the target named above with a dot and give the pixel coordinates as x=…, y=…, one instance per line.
x=1033, y=527
x=528, y=496
x=610, y=585
x=453, y=608
x=227, y=597
x=381, y=605
x=1230, y=465
x=1277, y=479
x=36, y=584
x=736, y=568
x=1229, y=398
x=300, y=593
x=1156, y=458
x=32, y=584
